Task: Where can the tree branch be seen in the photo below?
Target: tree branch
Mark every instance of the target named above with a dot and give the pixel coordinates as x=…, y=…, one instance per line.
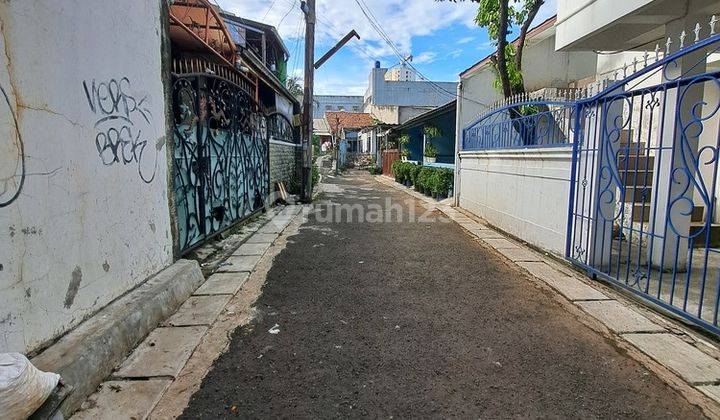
x=523, y=32
x=502, y=43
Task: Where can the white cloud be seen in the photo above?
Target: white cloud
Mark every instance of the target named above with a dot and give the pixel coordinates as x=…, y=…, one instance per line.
x=425, y=57
x=400, y=20
x=454, y=53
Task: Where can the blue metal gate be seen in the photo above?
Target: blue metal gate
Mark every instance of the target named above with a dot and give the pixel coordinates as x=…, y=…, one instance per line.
x=221, y=155
x=642, y=210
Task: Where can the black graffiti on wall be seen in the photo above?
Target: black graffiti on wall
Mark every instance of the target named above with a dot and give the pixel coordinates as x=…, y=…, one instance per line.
x=11, y=183
x=121, y=119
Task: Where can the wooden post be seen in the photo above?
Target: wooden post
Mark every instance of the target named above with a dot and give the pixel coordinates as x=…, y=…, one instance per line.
x=307, y=128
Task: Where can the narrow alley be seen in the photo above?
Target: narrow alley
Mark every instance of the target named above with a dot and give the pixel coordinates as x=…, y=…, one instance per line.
x=415, y=319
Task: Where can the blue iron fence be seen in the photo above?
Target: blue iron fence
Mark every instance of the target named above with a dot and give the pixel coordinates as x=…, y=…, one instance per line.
x=642, y=210
x=521, y=125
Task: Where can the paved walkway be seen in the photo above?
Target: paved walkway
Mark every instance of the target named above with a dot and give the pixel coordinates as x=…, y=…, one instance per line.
x=415, y=319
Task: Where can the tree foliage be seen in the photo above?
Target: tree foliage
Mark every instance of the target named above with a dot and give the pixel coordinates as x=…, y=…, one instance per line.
x=293, y=85
x=497, y=16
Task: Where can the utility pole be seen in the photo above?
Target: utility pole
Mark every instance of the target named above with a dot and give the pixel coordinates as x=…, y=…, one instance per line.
x=308, y=7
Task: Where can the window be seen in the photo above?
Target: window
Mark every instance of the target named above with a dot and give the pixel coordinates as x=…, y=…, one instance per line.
x=341, y=108
x=328, y=107
x=355, y=109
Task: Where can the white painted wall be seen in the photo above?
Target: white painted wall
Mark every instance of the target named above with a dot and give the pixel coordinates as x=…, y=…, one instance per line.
x=577, y=19
x=84, y=228
x=523, y=192
x=477, y=95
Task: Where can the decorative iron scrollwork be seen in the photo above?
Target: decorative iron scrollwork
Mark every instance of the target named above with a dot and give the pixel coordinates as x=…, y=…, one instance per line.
x=221, y=163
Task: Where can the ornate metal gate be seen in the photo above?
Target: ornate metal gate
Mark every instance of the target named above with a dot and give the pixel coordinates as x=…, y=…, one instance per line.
x=221, y=162
x=642, y=211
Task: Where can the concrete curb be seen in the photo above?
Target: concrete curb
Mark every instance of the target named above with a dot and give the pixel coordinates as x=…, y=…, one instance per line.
x=161, y=353
x=89, y=353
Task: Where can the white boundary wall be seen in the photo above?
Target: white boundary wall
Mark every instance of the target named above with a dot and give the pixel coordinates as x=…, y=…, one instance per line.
x=524, y=192
x=88, y=218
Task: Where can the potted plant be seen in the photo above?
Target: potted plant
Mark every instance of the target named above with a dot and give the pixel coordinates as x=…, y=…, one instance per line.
x=408, y=168
x=430, y=153
x=402, y=142
x=395, y=168
x=423, y=180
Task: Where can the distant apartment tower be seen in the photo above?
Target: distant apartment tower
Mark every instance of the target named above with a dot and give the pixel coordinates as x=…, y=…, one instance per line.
x=324, y=103
x=401, y=74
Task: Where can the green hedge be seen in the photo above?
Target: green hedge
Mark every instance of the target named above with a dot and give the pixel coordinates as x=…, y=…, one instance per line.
x=395, y=167
x=434, y=181
x=426, y=179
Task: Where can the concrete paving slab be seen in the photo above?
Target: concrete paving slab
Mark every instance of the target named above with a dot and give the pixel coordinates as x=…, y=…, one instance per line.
x=122, y=400
x=500, y=243
x=292, y=209
x=262, y=237
x=469, y=225
x=89, y=353
x=272, y=227
x=619, y=317
x=487, y=234
x=198, y=310
x=238, y=263
x=568, y=286
x=163, y=353
x=684, y=359
x=222, y=284
x=712, y=391
x=520, y=254
x=252, y=249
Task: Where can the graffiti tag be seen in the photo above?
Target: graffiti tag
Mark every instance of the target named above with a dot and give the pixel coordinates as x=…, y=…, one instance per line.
x=12, y=153
x=121, y=118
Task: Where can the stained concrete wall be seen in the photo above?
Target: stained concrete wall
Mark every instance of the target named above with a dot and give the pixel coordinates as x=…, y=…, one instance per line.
x=83, y=173
x=523, y=192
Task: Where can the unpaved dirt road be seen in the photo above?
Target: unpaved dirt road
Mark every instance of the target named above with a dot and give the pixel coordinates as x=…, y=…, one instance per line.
x=416, y=319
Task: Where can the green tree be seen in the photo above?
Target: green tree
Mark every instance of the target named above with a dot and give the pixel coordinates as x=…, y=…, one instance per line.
x=293, y=85
x=497, y=16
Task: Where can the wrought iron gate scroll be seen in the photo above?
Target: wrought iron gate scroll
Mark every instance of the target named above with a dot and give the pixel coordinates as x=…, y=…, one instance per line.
x=221, y=156
x=642, y=210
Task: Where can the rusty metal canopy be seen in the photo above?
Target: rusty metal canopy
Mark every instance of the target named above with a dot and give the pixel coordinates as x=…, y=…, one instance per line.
x=196, y=26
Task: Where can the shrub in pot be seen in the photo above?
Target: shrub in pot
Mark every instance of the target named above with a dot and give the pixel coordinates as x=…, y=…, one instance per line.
x=430, y=153
x=414, y=174
x=395, y=167
x=406, y=172
x=424, y=179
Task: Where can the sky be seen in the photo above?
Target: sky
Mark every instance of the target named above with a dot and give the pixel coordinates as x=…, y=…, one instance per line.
x=441, y=36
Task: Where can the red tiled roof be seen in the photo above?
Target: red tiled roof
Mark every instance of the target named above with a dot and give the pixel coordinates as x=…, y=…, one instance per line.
x=348, y=120
x=530, y=33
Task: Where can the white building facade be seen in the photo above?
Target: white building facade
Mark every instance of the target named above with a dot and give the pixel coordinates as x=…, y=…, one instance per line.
x=325, y=103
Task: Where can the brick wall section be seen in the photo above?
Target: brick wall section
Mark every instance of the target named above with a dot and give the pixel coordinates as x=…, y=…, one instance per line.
x=283, y=163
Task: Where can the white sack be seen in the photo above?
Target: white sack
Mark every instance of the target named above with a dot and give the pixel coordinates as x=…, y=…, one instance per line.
x=23, y=387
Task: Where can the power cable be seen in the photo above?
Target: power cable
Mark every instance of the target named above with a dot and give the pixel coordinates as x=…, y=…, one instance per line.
x=375, y=24
x=292, y=7
x=268, y=9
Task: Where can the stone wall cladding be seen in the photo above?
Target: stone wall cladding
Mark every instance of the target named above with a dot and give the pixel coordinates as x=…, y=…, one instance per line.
x=283, y=163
